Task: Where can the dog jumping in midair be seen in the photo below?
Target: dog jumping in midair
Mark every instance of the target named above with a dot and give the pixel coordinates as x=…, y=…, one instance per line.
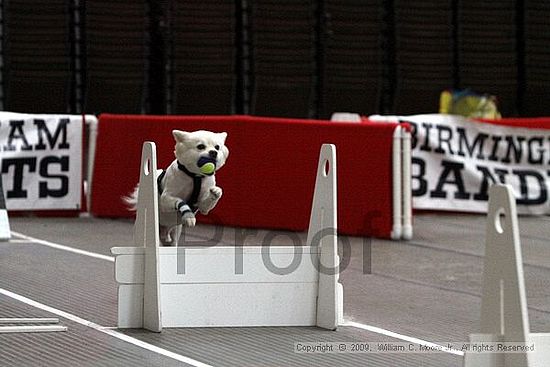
x=188, y=185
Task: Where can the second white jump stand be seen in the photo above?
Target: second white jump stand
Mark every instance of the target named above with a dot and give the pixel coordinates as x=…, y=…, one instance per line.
x=152, y=294
x=504, y=317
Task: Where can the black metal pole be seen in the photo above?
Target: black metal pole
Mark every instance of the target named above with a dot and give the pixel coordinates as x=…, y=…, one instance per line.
x=320, y=36
x=2, y=59
x=244, y=59
x=389, y=65
x=520, y=57
x=78, y=63
x=156, y=83
x=455, y=42
x=170, y=73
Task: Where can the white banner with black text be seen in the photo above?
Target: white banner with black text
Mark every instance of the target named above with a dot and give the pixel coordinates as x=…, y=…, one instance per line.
x=41, y=161
x=455, y=160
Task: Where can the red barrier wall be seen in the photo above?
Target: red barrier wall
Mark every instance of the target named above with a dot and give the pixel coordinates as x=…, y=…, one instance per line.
x=269, y=177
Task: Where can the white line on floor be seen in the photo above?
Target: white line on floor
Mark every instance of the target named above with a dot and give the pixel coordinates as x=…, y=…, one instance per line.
x=63, y=247
x=392, y=334
x=105, y=330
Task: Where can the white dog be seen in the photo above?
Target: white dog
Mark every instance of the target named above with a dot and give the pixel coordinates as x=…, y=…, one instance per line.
x=188, y=185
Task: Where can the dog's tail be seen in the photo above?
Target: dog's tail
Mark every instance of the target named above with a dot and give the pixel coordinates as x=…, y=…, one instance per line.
x=132, y=199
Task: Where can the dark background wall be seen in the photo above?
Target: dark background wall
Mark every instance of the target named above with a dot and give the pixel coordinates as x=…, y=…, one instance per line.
x=271, y=57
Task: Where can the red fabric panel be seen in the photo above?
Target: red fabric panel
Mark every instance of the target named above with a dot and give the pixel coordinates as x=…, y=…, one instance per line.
x=269, y=177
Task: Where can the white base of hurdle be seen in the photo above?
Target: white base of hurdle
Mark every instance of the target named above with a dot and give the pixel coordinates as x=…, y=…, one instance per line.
x=504, y=316
x=202, y=287
x=21, y=325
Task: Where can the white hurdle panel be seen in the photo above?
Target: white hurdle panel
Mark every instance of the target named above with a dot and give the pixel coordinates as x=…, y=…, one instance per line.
x=504, y=316
x=153, y=293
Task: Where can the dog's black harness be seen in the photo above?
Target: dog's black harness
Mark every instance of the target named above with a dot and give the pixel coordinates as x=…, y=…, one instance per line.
x=197, y=183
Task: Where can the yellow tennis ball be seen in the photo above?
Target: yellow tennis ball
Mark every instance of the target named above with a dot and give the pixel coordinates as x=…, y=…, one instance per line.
x=208, y=168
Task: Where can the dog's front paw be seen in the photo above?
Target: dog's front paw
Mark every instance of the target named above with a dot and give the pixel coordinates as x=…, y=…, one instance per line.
x=216, y=192
x=188, y=219
x=187, y=216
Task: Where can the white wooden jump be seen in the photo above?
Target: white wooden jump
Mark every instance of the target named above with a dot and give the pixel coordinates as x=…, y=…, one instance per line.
x=504, y=316
x=153, y=294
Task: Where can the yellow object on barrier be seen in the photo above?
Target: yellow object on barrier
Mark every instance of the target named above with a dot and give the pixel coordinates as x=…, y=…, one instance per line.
x=468, y=104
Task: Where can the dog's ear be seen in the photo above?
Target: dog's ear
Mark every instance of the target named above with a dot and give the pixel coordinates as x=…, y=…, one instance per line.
x=222, y=136
x=180, y=136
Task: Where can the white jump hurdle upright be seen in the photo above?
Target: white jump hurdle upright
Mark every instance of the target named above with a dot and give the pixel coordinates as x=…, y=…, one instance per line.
x=278, y=286
x=504, y=317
